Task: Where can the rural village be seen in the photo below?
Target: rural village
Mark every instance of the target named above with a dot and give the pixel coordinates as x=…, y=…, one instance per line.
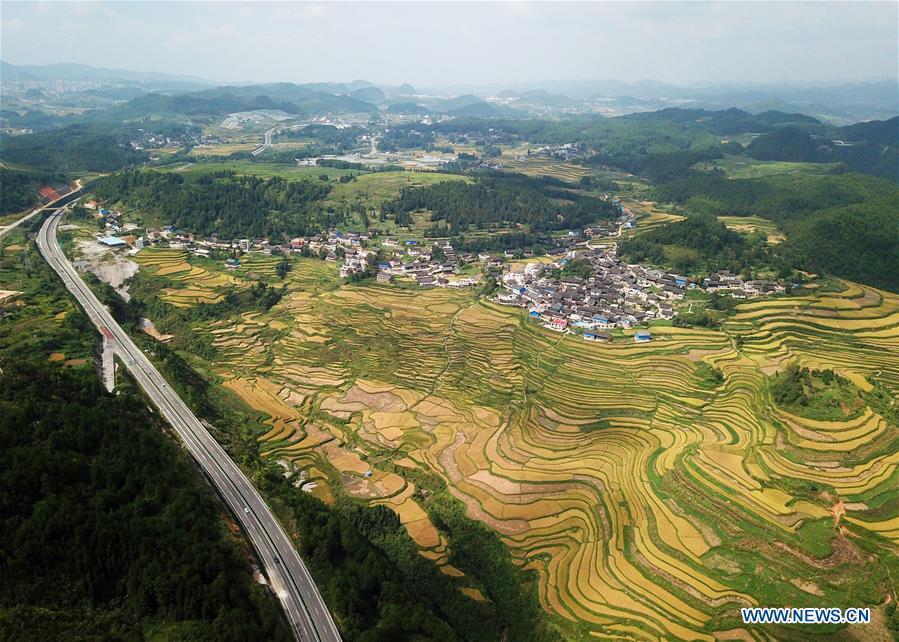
x=611, y=294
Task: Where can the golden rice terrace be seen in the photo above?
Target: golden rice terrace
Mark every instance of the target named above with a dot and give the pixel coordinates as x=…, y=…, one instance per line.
x=651, y=503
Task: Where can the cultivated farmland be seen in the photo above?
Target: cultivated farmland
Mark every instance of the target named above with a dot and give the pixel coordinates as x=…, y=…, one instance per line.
x=192, y=283
x=650, y=503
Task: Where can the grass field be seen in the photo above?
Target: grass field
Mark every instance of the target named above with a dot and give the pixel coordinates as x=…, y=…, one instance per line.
x=651, y=503
x=372, y=190
x=745, y=167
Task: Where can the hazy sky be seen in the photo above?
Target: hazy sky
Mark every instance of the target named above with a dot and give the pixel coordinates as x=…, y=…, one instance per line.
x=435, y=44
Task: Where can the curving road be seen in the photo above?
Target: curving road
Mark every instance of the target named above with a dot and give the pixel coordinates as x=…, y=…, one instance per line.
x=288, y=576
x=266, y=142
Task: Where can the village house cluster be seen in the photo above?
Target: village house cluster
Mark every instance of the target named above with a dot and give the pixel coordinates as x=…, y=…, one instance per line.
x=149, y=140
x=727, y=283
x=565, y=152
x=617, y=295
x=614, y=295
x=437, y=266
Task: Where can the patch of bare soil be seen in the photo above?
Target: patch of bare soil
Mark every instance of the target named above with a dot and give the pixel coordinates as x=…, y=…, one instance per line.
x=8, y=294
x=106, y=264
x=808, y=587
x=838, y=510
x=874, y=631
x=147, y=326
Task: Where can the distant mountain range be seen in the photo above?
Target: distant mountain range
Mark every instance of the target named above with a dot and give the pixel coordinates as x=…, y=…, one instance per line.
x=72, y=72
x=838, y=104
x=843, y=103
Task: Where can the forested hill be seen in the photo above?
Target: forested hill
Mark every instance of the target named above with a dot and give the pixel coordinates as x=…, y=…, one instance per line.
x=73, y=149
x=871, y=148
x=846, y=225
x=287, y=97
x=493, y=202
x=106, y=531
x=233, y=206
x=19, y=188
x=645, y=142
x=726, y=121
x=697, y=245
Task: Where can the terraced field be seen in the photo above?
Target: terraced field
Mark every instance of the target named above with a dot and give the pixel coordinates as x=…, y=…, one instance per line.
x=547, y=167
x=648, y=215
x=650, y=505
x=194, y=283
x=749, y=224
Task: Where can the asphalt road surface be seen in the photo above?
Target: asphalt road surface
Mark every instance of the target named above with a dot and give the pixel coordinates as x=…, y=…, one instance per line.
x=267, y=142
x=287, y=574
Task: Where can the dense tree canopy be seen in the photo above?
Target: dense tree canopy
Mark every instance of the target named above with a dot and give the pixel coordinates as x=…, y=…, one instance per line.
x=499, y=202
x=700, y=243
x=105, y=528
x=787, y=144
x=19, y=188
x=233, y=206
x=845, y=225
x=871, y=148
x=71, y=149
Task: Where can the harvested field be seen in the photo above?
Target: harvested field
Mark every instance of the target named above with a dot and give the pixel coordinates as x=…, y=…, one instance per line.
x=200, y=285
x=649, y=506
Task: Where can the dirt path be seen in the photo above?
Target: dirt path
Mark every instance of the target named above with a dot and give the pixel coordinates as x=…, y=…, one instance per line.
x=838, y=510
